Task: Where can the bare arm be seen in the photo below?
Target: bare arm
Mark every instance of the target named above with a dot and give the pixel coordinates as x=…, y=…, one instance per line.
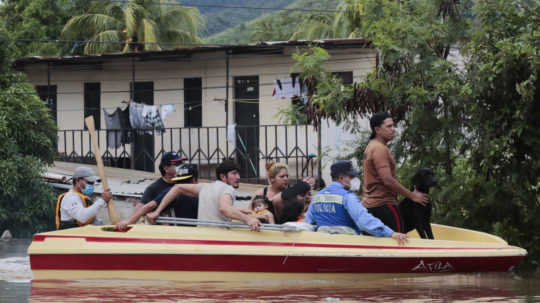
x=138, y=212
x=191, y=190
x=227, y=209
x=394, y=185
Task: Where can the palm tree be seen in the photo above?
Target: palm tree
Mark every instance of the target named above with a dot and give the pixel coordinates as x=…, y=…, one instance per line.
x=345, y=23
x=135, y=25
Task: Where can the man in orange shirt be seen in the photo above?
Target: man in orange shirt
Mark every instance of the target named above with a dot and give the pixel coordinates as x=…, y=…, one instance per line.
x=380, y=184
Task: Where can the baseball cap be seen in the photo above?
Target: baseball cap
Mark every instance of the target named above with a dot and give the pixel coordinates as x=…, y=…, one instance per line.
x=86, y=173
x=171, y=157
x=343, y=167
x=185, y=172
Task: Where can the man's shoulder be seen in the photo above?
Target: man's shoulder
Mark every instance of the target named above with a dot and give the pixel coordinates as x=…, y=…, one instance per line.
x=376, y=145
x=157, y=185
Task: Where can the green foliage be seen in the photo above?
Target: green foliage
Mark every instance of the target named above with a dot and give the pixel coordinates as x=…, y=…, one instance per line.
x=28, y=137
x=347, y=23
x=503, y=105
x=219, y=19
x=34, y=21
x=138, y=24
x=276, y=26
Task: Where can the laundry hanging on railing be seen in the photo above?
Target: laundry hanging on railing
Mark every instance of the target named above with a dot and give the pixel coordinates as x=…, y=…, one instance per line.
x=118, y=127
x=144, y=116
x=288, y=87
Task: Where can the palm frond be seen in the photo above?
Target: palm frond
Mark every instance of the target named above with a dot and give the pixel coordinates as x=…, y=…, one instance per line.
x=105, y=42
x=88, y=25
x=149, y=33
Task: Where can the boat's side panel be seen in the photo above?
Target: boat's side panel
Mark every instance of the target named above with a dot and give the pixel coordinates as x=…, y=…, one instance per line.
x=271, y=264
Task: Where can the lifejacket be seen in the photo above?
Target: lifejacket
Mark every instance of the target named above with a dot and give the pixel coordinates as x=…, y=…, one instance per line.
x=72, y=223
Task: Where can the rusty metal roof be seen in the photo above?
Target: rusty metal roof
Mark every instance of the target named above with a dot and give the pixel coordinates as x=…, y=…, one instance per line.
x=257, y=48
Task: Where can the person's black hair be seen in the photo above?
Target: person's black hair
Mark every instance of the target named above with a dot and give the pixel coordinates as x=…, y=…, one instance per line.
x=377, y=120
x=162, y=170
x=225, y=167
x=300, y=188
x=260, y=199
x=292, y=209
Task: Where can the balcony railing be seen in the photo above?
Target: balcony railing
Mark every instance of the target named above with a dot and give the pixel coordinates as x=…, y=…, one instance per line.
x=250, y=146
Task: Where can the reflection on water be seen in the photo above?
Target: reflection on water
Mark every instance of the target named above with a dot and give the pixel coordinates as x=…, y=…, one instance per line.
x=475, y=288
x=16, y=286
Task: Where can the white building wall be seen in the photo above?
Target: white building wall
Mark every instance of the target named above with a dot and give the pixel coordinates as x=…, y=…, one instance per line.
x=168, y=79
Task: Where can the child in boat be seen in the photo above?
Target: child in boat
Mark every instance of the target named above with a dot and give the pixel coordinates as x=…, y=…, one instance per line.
x=260, y=210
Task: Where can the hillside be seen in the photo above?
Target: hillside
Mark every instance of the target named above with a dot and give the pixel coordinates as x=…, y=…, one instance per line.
x=277, y=25
x=220, y=17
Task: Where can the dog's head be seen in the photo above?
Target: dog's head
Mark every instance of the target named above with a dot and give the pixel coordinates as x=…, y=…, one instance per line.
x=424, y=179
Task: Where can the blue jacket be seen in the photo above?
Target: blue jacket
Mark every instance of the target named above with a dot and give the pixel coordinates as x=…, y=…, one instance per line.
x=336, y=206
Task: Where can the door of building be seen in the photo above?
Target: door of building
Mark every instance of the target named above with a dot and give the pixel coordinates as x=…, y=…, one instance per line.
x=246, y=113
x=143, y=140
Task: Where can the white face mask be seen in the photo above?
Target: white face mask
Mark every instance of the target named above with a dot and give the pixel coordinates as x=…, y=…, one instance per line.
x=181, y=170
x=355, y=184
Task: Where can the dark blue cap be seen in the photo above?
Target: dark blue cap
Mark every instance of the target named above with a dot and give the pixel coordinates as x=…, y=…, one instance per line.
x=343, y=167
x=169, y=158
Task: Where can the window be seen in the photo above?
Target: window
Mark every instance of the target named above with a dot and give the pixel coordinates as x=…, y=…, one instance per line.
x=192, y=102
x=346, y=77
x=143, y=92
x=48, y=95
x=92, y=103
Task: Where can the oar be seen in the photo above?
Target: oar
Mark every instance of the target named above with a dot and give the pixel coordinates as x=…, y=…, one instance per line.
x=113, y=216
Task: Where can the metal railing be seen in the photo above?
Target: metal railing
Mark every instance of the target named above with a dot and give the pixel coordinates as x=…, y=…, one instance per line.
x=251, y=147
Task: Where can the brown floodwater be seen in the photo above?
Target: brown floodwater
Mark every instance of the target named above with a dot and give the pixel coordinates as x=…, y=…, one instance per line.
x=16, y=285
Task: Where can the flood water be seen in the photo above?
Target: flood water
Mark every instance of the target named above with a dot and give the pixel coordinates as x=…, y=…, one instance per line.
x=16, y=286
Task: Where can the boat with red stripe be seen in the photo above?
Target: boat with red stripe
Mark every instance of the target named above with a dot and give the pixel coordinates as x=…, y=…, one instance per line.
x=204, y=253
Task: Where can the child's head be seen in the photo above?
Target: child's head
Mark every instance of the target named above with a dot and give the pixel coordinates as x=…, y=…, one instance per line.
x=259, y=203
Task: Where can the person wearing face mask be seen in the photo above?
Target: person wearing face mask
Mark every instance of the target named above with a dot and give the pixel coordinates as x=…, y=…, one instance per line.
x=337, y=205
x=75, y=208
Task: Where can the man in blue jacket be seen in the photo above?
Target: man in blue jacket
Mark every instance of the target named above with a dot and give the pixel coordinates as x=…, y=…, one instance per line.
x=336, y=205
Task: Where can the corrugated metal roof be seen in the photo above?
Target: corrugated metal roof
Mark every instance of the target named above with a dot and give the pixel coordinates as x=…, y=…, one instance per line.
x=231, y=49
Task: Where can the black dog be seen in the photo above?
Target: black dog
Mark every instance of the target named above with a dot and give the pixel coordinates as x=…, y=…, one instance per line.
x=416, y=215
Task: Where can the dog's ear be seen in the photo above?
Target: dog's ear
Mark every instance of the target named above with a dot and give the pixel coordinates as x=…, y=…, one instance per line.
x=415, y=180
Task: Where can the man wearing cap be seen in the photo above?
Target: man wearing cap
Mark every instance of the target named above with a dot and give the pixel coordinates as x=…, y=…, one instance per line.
x=168, y=169
x=336, y=205
x=73, y=208
x=380, y=184
x=215, y=199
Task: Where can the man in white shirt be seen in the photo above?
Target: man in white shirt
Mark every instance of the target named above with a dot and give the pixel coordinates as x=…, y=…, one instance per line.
x=73, y=207
x=215, y=199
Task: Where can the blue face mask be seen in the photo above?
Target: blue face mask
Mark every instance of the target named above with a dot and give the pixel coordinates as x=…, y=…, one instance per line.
x=88, y=190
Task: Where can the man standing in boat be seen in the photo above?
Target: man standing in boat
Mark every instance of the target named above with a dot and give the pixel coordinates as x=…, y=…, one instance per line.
x=380, y=184
x=337, y=205
x=215, y=199
x=73, y=208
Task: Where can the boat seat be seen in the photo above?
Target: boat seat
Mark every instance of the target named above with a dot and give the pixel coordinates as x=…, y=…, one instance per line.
x=338, y=229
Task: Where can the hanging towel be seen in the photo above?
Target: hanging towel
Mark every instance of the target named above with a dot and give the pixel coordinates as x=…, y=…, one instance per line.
x=231, y=134
x=152, y=118
x=127, y=134
x=135, y=114
x=166, y=109
x=114, y=126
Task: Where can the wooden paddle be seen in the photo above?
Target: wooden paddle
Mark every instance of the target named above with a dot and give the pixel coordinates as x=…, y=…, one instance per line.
x=113, y=215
